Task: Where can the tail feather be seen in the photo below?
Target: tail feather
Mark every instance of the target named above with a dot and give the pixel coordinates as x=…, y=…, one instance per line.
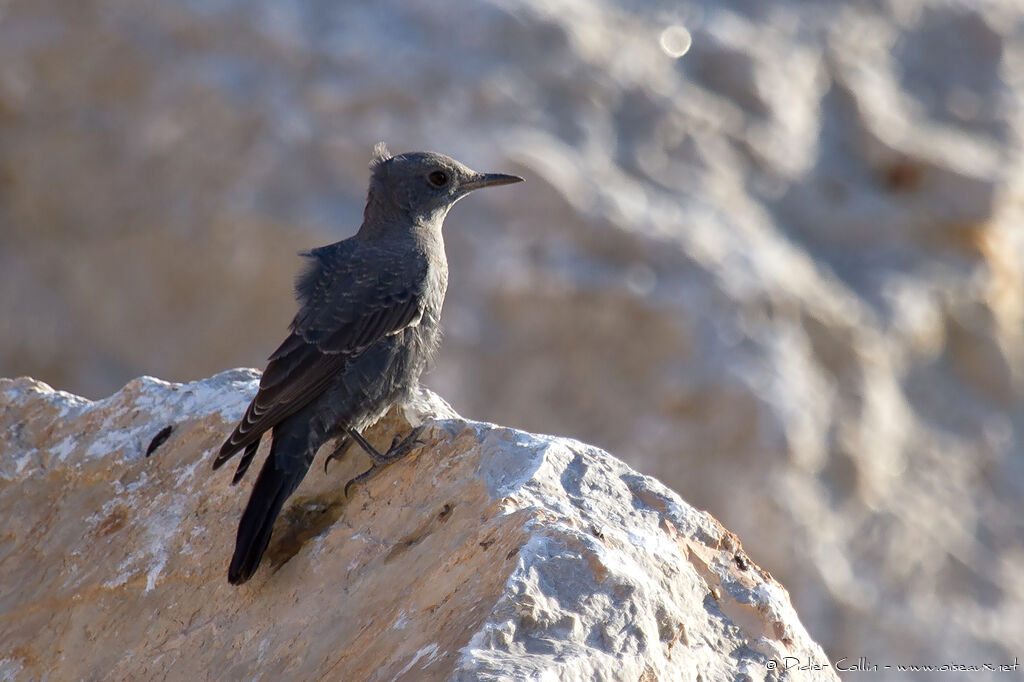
x=284, y=469
x=227, y=451
x=245, y=461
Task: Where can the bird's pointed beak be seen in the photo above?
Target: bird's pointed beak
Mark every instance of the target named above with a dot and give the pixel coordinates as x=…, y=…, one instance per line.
x=489, y=180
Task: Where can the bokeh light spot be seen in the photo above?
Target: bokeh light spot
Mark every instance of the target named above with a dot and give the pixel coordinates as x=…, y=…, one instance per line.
x=675, y=41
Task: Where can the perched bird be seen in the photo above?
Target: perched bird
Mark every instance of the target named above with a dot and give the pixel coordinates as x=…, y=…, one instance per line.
x=368, y=322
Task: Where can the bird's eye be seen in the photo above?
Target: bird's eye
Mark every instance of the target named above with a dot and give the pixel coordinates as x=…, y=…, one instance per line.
x=438, y=178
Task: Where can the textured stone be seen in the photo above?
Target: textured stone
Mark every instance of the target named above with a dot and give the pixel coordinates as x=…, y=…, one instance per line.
x=489, y=553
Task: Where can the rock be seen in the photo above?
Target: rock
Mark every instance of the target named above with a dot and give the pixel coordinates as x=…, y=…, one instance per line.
x=489, y=553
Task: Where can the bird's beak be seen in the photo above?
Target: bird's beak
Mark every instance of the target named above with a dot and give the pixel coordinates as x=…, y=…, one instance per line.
x=489, y=180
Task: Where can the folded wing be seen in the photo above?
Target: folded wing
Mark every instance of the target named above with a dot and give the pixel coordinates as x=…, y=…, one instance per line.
x=349, y=299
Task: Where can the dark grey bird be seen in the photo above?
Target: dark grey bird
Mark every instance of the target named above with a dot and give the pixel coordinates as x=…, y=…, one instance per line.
x=368, y=323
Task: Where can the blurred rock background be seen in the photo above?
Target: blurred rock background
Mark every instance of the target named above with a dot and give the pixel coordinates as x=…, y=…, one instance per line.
x=770, y=253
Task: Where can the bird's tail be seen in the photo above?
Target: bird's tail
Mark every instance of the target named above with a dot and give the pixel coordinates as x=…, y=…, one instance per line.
x=284, y=469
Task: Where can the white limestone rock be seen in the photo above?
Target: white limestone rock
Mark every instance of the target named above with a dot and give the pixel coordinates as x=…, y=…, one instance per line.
x=487, y=554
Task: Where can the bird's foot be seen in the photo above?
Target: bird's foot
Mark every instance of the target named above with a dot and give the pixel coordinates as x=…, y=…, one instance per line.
x=398, y=450
x=400, y=447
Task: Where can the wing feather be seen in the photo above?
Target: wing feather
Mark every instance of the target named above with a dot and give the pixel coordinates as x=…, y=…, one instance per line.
x=349, y=299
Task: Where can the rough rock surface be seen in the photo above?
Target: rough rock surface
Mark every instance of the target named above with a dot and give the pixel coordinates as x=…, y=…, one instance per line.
x=784, y=273
x=489, y=554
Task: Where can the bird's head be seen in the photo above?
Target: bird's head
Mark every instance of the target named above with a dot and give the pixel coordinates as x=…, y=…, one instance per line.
x=422, y=186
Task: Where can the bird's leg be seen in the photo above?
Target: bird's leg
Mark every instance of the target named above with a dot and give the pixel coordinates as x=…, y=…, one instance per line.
x=365, y=445
x=339, y=451
x=399, y=449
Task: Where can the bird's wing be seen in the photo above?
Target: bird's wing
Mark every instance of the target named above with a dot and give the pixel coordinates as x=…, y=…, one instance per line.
x=350, y=298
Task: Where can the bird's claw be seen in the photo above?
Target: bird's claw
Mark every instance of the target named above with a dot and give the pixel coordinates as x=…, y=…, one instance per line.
x=338, y=453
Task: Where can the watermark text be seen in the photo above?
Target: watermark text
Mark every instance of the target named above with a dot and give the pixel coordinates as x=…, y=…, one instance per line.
x=862, y=664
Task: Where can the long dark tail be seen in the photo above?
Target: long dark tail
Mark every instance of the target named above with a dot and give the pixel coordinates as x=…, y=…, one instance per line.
x=286, y=466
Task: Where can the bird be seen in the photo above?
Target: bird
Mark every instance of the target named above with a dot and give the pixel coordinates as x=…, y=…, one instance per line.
x=368, y=323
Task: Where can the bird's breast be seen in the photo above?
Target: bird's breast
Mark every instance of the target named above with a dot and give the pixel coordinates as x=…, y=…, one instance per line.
x=436, y=282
